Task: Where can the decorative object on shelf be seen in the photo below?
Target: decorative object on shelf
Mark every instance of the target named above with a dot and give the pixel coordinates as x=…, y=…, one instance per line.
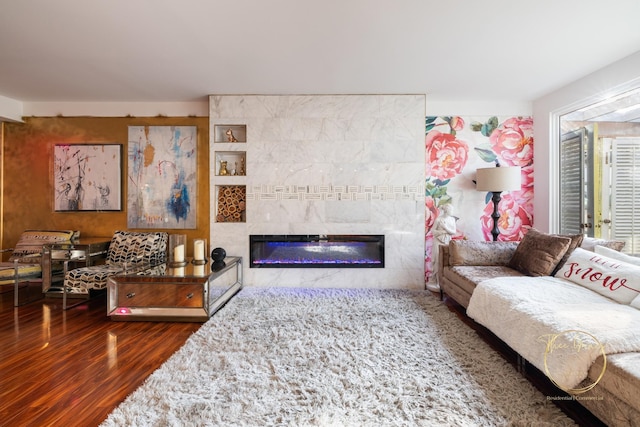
x=177, y=245
x=229, y=133
x=230, y=136
x=87, y=177
x=199, y=251
x=223, y=168
x=231, y=203
x=218, y=254
x=241, y=170
x=496, y=180
x=230, y=163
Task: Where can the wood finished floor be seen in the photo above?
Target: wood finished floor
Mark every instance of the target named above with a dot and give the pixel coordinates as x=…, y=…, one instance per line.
x=71, y=368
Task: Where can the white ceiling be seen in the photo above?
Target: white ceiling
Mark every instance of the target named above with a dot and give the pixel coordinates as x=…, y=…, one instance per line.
x=170, y=51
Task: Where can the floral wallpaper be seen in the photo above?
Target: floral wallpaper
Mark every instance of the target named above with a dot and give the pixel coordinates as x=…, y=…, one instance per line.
x=455, y=147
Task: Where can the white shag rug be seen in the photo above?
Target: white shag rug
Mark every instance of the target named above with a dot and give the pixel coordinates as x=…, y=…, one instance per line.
x=335, y=357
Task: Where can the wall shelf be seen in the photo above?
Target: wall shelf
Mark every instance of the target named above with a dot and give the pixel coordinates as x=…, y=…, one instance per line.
x=231, y=203
x=236, y=162
x=230, y=133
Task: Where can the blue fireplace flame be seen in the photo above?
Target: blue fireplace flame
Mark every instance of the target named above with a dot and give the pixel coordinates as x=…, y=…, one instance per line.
x=355, y=251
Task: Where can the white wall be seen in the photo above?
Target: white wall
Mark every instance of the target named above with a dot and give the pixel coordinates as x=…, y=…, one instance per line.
x=597, y=86
x=10, y=109
x=437, y=106
x=117, y=109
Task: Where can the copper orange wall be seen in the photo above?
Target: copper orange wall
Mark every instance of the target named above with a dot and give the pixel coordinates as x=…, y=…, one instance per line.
x=28, y=168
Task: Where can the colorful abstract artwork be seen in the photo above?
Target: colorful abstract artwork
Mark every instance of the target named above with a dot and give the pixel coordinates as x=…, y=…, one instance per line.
x=162, y=177
x=87, y=177
x=455, y=148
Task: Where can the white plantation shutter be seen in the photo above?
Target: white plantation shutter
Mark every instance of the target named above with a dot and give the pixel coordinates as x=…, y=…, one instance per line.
x=571, y=182
x=625, y=189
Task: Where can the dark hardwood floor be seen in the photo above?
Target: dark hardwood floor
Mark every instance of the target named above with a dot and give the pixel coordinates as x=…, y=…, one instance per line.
x=71, y=368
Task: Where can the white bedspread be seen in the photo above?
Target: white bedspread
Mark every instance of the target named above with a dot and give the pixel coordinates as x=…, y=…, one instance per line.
x=526, y=312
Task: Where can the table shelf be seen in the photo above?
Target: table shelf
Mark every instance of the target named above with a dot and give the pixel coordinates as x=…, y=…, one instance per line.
x=84, y=252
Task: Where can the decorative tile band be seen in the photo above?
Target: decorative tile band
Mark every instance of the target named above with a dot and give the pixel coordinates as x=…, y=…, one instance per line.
x=335, y=192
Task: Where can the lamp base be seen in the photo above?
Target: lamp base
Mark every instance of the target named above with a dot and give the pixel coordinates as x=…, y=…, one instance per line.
x=495, y=231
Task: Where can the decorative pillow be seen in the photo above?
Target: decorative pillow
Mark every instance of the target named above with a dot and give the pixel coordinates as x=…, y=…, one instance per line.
x=31, y=242
x=612, y=278
x=539, y=253
x=612, y=253
x=589, y=243
x=636, y=302
x=478, y=252
x=576, y=241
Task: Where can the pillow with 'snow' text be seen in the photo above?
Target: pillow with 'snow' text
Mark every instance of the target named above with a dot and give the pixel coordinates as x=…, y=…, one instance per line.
x=612, y=278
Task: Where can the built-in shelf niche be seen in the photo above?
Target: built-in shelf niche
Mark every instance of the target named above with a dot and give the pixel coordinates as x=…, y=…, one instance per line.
x=230, y=133
x=236, y=163
x=231, y=203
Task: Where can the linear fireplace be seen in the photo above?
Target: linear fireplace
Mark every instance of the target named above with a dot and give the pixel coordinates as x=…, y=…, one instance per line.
x=316, y=251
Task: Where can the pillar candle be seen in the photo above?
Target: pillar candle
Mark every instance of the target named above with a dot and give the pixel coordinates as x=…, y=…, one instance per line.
x=178, y=253
x=198, y=250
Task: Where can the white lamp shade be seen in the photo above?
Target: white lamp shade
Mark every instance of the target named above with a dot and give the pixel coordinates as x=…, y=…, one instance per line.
x=498, y=179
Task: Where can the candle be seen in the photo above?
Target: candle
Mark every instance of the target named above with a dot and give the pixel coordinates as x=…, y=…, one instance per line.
x=198, y=249
x=178, y=253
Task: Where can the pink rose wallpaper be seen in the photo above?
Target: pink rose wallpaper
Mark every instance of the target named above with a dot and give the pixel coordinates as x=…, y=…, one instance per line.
x=446, y=155
x=512, y=142
x=513, y=216
x=454, y=148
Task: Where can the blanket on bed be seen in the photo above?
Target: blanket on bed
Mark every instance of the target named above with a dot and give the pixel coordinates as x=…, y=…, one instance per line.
x=558, y=326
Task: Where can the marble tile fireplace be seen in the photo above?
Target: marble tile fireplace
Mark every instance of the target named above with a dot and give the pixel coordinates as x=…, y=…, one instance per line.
x=321, y=165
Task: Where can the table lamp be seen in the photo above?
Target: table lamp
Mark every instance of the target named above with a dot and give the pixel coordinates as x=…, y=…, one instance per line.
x=496, y=180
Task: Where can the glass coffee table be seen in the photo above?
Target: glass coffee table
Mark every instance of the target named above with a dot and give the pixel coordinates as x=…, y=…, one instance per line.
x=190, y=293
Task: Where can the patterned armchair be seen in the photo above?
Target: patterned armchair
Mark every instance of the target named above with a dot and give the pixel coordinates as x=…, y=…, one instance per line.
x=24, y=265
x=129, y=251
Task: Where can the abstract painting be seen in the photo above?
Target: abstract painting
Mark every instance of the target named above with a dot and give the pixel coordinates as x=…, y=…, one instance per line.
x=87, y=177
x=162, y=174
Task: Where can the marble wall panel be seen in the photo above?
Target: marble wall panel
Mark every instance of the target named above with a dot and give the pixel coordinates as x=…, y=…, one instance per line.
x=328, y=164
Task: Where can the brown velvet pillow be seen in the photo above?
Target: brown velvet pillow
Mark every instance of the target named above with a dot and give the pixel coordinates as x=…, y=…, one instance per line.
x=576, y=241
x=539, y=253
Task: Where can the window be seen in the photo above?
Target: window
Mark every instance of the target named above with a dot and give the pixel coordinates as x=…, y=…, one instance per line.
x=600, y=170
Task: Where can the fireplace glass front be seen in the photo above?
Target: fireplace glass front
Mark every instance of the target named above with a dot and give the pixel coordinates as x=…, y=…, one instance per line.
x=317, y=251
